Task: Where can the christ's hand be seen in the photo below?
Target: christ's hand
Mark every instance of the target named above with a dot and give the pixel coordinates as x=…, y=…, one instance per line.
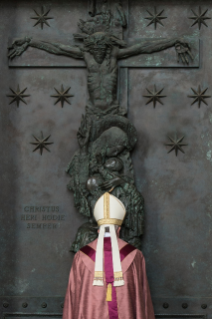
x=18, y=47
x=183, y=51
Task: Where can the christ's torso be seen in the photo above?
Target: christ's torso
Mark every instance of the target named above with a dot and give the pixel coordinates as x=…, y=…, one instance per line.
x=102, y=80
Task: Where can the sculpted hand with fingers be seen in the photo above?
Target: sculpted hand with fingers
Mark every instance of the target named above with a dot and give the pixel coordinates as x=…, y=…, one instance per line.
x=18, y=47
x=183, y=51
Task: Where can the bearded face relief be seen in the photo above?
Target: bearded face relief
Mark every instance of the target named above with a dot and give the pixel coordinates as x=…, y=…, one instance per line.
x=99, y=52
x=99, y=48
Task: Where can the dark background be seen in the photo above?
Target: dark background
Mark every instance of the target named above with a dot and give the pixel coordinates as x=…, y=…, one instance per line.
x=35, y=263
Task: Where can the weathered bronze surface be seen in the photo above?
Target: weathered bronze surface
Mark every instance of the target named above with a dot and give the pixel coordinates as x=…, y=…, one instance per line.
x=155, y=17
x=185, y=305
x=18, y=96
x=165, y=305
x=176, y=144
x=42, y=17
x=199, y=96
x=105, y=136
x=41, y=143
x=154, y=96
x=199, y=18
x=35, y=259
x=62, y=95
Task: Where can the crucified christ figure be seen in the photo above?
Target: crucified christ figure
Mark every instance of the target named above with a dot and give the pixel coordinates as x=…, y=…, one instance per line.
x=101, y=52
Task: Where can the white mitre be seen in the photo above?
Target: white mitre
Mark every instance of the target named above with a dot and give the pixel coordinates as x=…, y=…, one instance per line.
x=108, y=211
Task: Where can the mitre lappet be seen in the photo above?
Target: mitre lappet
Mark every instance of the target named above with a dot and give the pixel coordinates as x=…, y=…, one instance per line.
x=109, y=211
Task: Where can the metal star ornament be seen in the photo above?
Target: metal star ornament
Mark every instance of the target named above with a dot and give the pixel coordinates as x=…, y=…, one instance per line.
x=155, y=17
x=42, y=17
x=176, y=144
x=199, y=18
x=18, y=96
x=62, y=96
x=154, y=96
x=41, y=143
x=199, y=96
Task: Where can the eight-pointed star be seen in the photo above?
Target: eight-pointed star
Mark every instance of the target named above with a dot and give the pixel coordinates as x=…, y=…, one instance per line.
x=155, y=17
x=199, y=96
x=199, y=18
x=42, y=17
x=18, y=95
x=41, y=143
x=154, y=96
x=176, y=144
x=62, y=96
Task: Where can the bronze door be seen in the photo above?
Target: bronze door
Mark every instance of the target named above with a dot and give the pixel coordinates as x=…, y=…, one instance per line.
x=168, y=102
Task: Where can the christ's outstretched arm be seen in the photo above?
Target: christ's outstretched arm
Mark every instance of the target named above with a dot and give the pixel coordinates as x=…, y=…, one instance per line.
x=20, y=45
x=151, y=46
x=181, y=46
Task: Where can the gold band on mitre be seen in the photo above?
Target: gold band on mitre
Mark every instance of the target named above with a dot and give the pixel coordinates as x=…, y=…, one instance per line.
x=109, y=221
x=106, y=205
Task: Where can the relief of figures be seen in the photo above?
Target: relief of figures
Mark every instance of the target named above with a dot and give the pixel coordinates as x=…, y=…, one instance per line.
x=106, y=137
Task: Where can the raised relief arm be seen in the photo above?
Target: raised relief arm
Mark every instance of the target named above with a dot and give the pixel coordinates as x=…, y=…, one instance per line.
x=20, y=45
x=181, y=46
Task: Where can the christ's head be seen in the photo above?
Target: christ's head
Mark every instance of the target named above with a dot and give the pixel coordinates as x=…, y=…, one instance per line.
x=100, y=44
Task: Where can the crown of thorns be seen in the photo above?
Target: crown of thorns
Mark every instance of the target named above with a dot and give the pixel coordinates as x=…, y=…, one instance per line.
x=91, y=33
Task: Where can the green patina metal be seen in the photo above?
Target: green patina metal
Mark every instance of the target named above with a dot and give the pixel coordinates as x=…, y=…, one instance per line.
x=106, y=137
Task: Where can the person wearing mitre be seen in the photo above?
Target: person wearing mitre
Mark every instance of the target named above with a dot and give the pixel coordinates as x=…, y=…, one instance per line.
x=108, y=276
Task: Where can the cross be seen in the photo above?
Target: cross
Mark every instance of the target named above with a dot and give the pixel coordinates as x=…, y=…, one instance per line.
x=164, y=59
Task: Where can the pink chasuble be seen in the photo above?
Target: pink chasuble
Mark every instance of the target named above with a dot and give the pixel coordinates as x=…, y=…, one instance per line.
x=131, y=301
x=108, y=268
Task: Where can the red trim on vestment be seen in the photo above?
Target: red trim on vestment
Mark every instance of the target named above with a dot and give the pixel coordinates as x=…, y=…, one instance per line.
x=89, y=251
x=124, y=251
x=109, y=277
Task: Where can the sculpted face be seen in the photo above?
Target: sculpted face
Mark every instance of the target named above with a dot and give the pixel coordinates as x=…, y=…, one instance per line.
x=114, y=150
x=99, y=47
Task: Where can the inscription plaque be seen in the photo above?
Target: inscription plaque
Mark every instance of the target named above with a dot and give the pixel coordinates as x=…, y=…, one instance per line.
x=42, y=217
